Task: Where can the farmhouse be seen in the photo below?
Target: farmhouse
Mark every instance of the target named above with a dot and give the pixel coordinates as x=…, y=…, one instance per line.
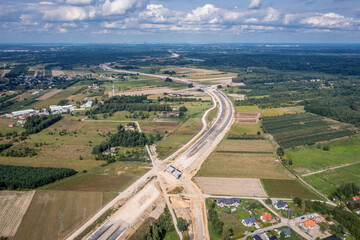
x=250, y=221
x=256, y=237
x=172, y=114
x=309, y=224
x=221, y=202
x=129, y=128
x=266, y=217
x=356, y=198
x=280, y=205
x=88, y=104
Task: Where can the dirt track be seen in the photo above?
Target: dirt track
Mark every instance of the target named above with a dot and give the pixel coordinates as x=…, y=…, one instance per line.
x=49, y=94
x=242, y=187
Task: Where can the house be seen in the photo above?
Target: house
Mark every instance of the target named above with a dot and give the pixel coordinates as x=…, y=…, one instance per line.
x=352, y=203
x=309, y=224
x=280, y=205
x=256, y=237
x=129, y=127
x=356, y=198
x=319, y=219
x=172, y=114
x=11, y=125
x=221, y=202
x=358, y=212
x=286, y=231
x=335, y=198
x=250, y=221
x=333, y=237
x=266, y=217
x=273, y=238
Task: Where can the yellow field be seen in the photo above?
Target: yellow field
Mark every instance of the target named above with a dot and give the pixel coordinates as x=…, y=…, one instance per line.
x=269, y=112
x=247, y=109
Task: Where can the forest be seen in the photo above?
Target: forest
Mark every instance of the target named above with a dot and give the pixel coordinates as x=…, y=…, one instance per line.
x=35, y=124
x=19, y=177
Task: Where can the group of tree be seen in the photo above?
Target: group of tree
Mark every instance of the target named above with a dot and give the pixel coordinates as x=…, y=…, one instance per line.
x=158, y=229
x=35, y=124
x=20, y=152
x=18, y=70
x=347, y=190
x=124, y=139
x=214, y=218
x=177, y=99
x=4, y=146
x=19, y=177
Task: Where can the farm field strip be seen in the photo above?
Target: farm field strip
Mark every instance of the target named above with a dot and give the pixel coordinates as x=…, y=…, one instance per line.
x=290, y=188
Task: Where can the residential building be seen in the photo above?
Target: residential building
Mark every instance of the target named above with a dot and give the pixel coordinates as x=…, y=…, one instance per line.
x=280, y=205
x=333, y=237
x=356, y=198
x=309, y=224
x=250, y=221
x=88, y=104
x=256, y=237
x=266, y=217
x=221, y=202
x=286, y=231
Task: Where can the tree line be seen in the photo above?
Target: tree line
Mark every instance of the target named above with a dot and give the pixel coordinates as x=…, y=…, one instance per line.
x=20, y=177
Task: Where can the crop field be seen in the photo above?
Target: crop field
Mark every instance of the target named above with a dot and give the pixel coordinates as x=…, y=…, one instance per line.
x=4, y=123
x=41, y=221
x=314, y=158
x=327, y=182
x=13, y=205
x=111, y=178
x=233, y=145
x=287, y=189
x=49, y=94
x=57, y=97
x=294, y=130
x=242, y=166
x=270, y=112
x=244, y=128
x=25, y=101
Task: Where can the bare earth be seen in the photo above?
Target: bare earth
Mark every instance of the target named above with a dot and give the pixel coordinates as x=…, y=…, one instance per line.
x=49, y=94
x=57, y=72
x=242, y=187
x=246, y=117
x=147, y=91
x=238, y=96
x=13, y=206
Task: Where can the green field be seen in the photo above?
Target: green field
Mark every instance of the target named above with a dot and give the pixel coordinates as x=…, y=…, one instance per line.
x=287, y=189
x=244, y=128
x=54, y=100
x=292, y=130
x=327, y=182
x=314, y=158
x=235, y=165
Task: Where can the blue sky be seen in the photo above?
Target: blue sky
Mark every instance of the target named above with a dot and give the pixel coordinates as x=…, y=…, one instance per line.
x=180, y=21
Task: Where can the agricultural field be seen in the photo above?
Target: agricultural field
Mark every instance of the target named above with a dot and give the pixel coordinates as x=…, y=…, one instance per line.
x=245, y=146
x=46, y=207
x=54, y=100
x=111, y=178
x=293, y=130
x=62, y=144
x=248, y=208
x=4, y=129
x=327, y=182
x=244, y=129
x=335, y=153
x=158, y=127
x=280, y=188
x=13, y=205
x=234, y=165
x=270, y=112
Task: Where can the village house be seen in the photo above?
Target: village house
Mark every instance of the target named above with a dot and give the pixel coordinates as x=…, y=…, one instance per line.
x=356, y=198
x=266, y=217
x=250, y=221
x=129, y=128
x=227, y=202
x=307, y=225
x=280, y=205
x=171, y=114
x=286, y=231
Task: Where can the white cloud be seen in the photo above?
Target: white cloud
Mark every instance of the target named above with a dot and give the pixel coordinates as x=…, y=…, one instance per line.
x=205, y=13
x=272, y=15
x=328, y=20
x=28, y=20
x=120, y=7
x=157, y=13
x=69, y=13
x=79, y=2
x=62, y=30
x=254, y=4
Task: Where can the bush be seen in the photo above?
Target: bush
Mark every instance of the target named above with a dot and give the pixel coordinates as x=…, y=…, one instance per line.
x=182, y=224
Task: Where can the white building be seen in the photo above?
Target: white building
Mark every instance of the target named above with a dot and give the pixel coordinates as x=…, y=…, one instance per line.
x=61, y=109
x=24, y=112
x=88, y=104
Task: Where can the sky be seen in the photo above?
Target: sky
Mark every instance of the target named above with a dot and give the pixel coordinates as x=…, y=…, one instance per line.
x=180, y=21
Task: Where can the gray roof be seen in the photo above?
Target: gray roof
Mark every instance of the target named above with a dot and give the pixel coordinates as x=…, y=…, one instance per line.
x=281, y=204
x=256, y=237
x=228, y=201
x=286, y=231
x=250, y=220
